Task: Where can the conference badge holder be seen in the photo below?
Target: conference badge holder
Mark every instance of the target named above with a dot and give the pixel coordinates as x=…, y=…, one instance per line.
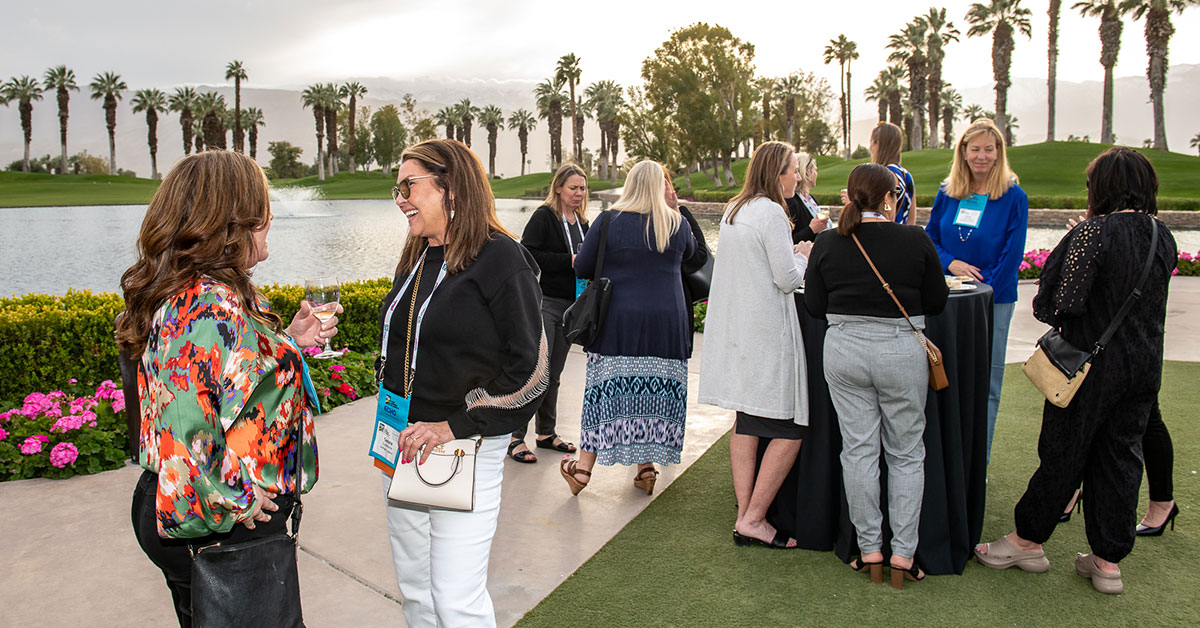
x=970, y=211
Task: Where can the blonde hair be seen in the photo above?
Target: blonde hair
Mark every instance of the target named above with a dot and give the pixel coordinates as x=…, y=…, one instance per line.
x=644, y=194
x=767, y=164
x=960, y=184
x=803, y=162
x=566, y=171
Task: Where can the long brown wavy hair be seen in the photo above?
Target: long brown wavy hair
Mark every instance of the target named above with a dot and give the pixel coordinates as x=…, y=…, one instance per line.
x=201, y=222
x=468, y=203
x=767, y=164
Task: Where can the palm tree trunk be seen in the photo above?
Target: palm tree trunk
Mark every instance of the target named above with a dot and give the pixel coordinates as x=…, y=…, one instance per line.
x=1106, y=109
x=493, y=131
x=110, y=119
x=883, y=108
x=63, y=100
x=846, y=127
x=948, y=127
x=254, y=143
x=238, y=137
x=185, y=122
x=1158, y=35
x=1052, y=69
x=614, y=145
x=152, y=141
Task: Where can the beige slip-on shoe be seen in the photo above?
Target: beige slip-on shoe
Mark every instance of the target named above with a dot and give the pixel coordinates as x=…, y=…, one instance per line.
x=1104, y=582
x=1002, y=555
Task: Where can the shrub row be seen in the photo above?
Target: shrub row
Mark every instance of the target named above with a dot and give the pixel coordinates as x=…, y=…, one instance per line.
x=926, y=200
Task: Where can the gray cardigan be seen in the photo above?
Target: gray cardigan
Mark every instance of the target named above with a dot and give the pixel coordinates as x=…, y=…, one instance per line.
x=753, y=358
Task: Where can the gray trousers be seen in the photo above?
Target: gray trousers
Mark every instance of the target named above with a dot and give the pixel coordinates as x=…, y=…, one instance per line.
x=546, y=415
x=878, y=379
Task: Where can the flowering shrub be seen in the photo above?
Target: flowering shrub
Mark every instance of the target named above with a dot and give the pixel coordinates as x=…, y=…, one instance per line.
x=1031, y=266
x=343, y=379
x=64, y=433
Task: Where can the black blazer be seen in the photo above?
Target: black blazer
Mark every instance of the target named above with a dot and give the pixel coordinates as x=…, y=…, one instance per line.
x=796, y=210
x=547, y=242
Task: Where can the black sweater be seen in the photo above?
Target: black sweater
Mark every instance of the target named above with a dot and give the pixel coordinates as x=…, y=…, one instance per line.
x=839, y=281
x=546, y=240
x=481, y=360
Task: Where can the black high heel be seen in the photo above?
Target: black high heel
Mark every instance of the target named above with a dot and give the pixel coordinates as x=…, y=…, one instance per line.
x=1066, y=516
x=873, y=570
x=1157, y=531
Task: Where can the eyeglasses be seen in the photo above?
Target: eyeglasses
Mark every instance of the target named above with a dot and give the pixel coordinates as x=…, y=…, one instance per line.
x=404, y=187
x=898, y=192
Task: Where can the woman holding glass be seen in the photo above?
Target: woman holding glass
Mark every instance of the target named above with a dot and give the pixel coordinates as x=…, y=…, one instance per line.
x=978, y=224
x=463, y=342
x=753, y=351
x=874, y=362
x=808, y=219
x=635, y=402
x=225, y=400
x=554, y=235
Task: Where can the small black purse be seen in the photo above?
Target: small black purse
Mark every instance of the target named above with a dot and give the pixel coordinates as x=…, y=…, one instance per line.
x=582, y=321
x=255, y=583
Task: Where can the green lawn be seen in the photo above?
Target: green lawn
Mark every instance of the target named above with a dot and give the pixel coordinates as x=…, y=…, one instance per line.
x=675, y=564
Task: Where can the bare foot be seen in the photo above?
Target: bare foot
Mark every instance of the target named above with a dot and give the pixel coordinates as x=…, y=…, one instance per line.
x=1016, y=541
x=760, y=530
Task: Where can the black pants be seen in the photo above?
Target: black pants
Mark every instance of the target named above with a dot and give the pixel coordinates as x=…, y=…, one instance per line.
x=558, y=346
x=1160, y=457
x=1097, y=440
x=172, y=556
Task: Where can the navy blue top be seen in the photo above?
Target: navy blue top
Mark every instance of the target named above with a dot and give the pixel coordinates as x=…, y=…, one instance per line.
x=647, y=315
x=996, y=247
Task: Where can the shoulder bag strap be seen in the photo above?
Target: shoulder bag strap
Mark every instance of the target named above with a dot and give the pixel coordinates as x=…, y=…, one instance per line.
x=932, y=357
x=298, y=509
x=1133, y=296
x=605, y=218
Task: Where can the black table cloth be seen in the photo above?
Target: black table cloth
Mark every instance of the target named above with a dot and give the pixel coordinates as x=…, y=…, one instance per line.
x=811, y=505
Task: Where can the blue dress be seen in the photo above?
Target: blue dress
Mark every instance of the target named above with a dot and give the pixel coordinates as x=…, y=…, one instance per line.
x=635, y=400
x=996, y=247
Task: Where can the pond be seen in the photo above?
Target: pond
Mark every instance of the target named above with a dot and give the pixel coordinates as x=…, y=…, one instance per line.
x=51, y=249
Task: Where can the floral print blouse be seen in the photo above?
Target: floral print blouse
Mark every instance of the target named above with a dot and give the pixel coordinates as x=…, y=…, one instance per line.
x=221, y=394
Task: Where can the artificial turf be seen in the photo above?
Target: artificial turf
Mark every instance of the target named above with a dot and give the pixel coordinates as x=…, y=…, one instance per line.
x=675, y=564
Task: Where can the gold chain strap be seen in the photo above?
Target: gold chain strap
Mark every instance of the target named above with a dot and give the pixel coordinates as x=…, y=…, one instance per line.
x=408, y=345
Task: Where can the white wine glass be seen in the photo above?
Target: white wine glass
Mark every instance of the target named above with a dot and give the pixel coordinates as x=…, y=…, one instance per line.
x=323, y=293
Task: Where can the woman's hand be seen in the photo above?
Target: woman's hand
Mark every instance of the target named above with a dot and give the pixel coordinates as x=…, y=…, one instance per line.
x=802, y=248
x=959, y=268
x=263, y=506
x=308, y=331
x=423, y=434
x=1071, y=222
x=845, y=196
x=818, y=224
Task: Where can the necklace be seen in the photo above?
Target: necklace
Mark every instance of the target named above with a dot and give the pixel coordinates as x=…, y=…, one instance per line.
x=412, y=306
x=963, y=238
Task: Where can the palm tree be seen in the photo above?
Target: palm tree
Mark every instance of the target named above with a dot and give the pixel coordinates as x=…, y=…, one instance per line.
x=108, y=87
x=198, y=132
x=523, y=122
x=62, y=80
x=211, y=106
x=447, y=117
x=908, y=47
x=352, y=91
x=493, y=120
x=1110, y=46
x=550, y=99
x=568, y=71
x=940, y=32
x=332, y=105
x=1000, y=18
x=312, y=97
x=767, y=87
x=952, y=104
x=894, y=76
x=1158, y=36
x=467, y=114
x=24, y=90
x=605, y=100
x=235, y=71
x=844, y=51
x=789, y=87
x=975, y=112
x=1052, y=70
x=150, y=101
x=1196, y=142
x=254, y=119
x=184, y=101
x=877, y=92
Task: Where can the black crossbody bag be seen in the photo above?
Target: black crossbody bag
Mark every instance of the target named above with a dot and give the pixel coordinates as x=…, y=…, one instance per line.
x=582, y=321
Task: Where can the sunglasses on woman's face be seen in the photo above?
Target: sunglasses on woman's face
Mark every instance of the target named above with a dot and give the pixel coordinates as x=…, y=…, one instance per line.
x=897, y=192
x=404, y=187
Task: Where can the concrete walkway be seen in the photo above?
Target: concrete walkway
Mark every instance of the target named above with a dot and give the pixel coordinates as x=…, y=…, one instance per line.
x=70, y=558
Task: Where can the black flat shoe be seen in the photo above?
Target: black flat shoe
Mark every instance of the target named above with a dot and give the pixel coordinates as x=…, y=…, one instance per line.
x=874, y=569
x=1158, y=530
x=779, y=542
x=548, y=443
x=526, y=457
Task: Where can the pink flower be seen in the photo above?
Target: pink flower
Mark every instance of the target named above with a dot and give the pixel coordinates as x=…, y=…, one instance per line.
x=337, y=368
x=33, y=445
x=3, y=434
x=72, y=381
x=1024, y=266
x=311, y=351
x=67, y=424
x=6, y=416
x=335, y=376
x=63, y=454
x=347, y=389
x=118, y=404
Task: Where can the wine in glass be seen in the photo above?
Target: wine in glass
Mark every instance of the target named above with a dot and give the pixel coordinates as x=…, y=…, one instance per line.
x=322, y=294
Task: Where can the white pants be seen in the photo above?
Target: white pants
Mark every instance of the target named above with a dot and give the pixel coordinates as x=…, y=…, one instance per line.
x=441, y=556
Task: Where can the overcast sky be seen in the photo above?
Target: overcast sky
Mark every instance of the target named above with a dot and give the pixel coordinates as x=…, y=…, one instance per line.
x=153, y=43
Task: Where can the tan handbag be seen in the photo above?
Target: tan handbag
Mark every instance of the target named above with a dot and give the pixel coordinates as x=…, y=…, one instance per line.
x=1058, y=388
x=446, y=480
x=937, y=368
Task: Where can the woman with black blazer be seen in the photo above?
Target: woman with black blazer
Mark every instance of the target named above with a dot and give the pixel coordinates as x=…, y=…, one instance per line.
x=553, y=235
x=690, y=264
x=807, y=217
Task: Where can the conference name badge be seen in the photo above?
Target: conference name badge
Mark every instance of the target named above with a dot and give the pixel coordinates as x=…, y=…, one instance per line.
x=391, y=417
x=970, y=211
x=580, y=284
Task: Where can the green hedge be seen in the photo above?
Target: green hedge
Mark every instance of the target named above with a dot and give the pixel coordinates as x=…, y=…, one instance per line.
x=49, y=339
x=926, y=200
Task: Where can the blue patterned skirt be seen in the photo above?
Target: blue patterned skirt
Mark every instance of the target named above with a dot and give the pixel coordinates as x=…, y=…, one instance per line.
x=634, y=409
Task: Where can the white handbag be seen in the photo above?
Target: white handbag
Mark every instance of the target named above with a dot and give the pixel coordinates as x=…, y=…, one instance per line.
x=446, y=480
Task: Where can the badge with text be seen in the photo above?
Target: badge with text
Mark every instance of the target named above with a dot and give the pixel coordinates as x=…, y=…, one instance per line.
x=391, y=417
x=580, y=284
x=970, y=211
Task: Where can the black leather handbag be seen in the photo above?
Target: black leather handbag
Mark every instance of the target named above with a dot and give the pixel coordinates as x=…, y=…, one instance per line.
x=250, y=584
x=582, y=321
x=699, y=281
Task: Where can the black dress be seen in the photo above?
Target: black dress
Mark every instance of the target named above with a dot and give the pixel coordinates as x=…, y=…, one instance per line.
x=1097, y=439
x=690, y=265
